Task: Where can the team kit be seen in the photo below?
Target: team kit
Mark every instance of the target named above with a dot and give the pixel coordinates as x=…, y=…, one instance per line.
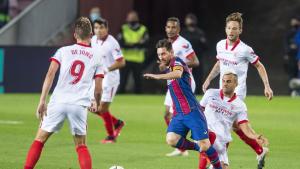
x=89, y=78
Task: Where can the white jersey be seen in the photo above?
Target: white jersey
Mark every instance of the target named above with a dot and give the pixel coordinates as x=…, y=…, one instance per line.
x=237, y=58
x=182, y=48
x=79, y=64
x=111, y=52
x=221, y=112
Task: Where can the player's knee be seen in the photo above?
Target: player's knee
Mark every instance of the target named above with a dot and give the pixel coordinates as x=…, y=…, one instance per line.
x=204, y=144
x=171, y=140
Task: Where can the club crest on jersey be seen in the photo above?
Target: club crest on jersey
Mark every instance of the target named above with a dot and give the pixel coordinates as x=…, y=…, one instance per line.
x=186, y=46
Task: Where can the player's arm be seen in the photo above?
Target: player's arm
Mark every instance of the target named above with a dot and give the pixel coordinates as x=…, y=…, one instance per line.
x=264, y=76
x=42, y=107
x=175, y=74
x=119, y=63
x=98, y=90
x=193, y=61
x=249, y=132
x=213, y=73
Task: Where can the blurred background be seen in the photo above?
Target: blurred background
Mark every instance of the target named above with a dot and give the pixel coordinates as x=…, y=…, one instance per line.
x=32, y=30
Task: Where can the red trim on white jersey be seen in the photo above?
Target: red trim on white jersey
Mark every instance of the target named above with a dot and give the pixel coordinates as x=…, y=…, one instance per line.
x=231, y=99
x=243, y=121
x=82, y=44
x=54, y=60
x=189, y=56
x=234, y=45
x=120, y=59
x=253, y=63
x=99, y=75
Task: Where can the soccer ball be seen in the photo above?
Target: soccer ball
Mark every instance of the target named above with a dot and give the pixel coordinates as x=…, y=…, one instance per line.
x=116, y=167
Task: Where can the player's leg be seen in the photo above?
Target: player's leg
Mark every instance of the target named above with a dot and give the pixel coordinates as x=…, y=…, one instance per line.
x=51, y=123
x=176, y=135
x=260, y=151
x=196, y=122
x=84, y=157
x=36, y=148
x=203, y=159
x=77, y=117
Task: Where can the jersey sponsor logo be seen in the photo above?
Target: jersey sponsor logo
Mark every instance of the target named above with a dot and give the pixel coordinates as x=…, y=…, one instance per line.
x=226, y=62
x=221, y=110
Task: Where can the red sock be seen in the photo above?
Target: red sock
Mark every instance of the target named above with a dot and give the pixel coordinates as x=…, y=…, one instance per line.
x=84, y=157
x=202, y=160
x=108, y=123
x=251, y=142
x=33, y=154
x=114, y=119
x=212, y=137
x=167, y=120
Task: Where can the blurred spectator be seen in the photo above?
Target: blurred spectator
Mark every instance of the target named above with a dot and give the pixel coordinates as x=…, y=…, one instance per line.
x=197, y=38
x=133, y=38
x=14, y=8
x=295, y=82
x=95, y=13
x=4, y=15
x=290, y=57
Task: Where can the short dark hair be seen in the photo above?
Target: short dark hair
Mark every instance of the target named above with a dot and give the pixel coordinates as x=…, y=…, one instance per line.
x=164, y=43
x=174, y=19
x=83, y=28
x=101, y=21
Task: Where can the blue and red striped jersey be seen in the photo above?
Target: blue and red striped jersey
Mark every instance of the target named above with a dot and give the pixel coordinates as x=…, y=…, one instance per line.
x=184, y=100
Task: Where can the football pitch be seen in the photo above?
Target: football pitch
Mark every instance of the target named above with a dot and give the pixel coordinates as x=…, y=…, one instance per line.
x=141, y=144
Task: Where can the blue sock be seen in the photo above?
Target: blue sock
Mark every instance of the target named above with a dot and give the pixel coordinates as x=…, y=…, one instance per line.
x=185, y=144
x=213, y=157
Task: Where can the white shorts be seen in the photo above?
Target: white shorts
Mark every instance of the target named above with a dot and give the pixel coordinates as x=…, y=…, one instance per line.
x=108, y=93
x=58, y=112
x=168, y=98
x=221, y=148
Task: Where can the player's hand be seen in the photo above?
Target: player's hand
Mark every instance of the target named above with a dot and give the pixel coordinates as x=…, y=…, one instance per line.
x=205, y=85
x=41, y=110
x=262, y=141
x=105, y=70
x=94, y=107
x=269, y=93
x=150, y=76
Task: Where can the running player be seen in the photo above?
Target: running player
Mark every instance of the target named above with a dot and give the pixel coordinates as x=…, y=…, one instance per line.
x=78, y=65
x=187, y=114
x=112, y=61
x=182, y=49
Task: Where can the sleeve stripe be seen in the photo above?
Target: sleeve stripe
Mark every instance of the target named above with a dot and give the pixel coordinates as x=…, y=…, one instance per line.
x=191, y=55
x=257, y=59
x=243, y=121
x=99, y=75
x=54, y=60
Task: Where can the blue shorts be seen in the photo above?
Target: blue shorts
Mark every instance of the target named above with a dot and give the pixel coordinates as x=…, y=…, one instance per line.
x=195, y=121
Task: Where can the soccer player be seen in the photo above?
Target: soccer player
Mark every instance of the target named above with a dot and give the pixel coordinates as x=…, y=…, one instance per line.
x=112, y=61
x=78, y=65
x=234, y=54
x=182, y=49
x=222, y=108
x=187, y=114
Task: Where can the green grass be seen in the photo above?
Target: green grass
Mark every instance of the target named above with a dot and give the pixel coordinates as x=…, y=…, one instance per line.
x=142, y=142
